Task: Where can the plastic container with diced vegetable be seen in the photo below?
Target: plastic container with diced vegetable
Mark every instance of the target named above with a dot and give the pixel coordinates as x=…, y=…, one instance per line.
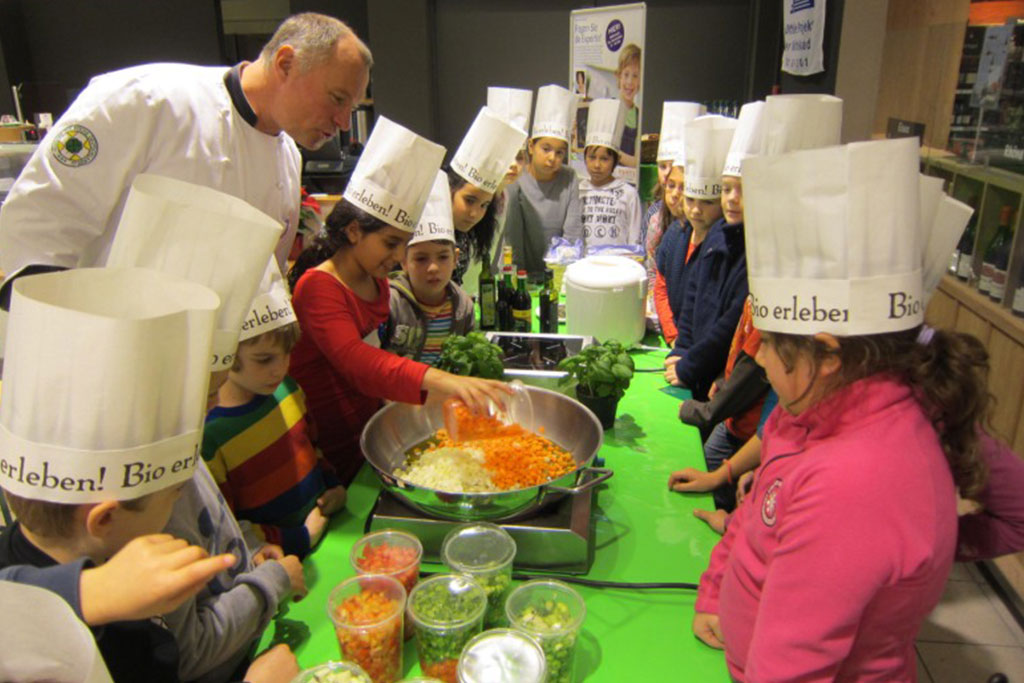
x=333, y=672
x=447, y=610
x=502, y=655
x=390, y=552
x=367, y=612
x=553, y=613
x=484, y=551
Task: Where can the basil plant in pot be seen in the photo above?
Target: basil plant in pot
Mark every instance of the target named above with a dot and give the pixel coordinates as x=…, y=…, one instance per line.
x=472, y=355
x=601, y=373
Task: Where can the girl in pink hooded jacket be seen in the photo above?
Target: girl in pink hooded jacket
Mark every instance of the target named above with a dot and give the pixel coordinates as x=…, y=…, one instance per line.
x=844, y=543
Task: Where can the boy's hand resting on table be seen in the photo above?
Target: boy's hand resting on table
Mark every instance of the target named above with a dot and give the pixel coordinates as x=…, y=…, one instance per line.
x=690, y=480
x=713, y=518
x=332, y=500
x=707, y=628
x=670, y=371
x=293, y=566
x=150, y=575
x=276, y=665
x=316, y=525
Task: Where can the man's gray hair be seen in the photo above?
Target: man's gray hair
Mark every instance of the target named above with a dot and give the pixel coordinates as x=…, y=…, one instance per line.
x=314, y=37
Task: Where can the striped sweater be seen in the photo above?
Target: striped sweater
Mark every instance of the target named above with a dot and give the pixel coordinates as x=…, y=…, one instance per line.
x=263, y=459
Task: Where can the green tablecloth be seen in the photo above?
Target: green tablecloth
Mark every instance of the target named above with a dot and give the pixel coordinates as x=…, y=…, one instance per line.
x=643, y=533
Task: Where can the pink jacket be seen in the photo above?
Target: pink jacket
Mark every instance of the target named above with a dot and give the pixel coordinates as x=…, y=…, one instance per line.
x=842, y=547
x=999, y=528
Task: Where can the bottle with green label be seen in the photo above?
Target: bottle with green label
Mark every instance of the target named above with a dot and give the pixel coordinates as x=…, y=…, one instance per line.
x=997, y=258
x=487, y=293
x=522, y=315
x=547, y=299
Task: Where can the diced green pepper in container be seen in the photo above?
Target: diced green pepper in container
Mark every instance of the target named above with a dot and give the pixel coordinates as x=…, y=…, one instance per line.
x=447, y=611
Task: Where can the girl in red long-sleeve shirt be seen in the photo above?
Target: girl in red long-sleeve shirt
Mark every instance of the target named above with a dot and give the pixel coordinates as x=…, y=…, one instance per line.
x=340, y=295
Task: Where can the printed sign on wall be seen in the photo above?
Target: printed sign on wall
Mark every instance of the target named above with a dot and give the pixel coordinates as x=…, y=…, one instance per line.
x=803, y=30
x=606, y=47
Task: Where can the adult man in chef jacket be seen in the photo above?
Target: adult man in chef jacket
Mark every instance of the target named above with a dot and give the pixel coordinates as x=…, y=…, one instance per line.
x=233, y=129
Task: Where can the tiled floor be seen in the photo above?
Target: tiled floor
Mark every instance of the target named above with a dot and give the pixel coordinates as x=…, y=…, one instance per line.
x=970, y=636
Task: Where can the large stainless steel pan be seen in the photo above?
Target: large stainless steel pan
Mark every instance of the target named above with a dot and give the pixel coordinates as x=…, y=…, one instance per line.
x=399, y=426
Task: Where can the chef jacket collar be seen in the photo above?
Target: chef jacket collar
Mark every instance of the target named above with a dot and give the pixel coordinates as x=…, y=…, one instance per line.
x=233, y=82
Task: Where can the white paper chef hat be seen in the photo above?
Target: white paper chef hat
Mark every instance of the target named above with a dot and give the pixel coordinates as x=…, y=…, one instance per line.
x=674, y=117
x=552, y=118
x=834, y=239
x=204, y=236
x=43, y=620
x=746, y=141
x=706, y=144
x=271, y=308
x=436, y=221
x=104, y=383
x=793, y=122
x=487, y=151
x=394, y=174
x=512, y=105
x=605, y=120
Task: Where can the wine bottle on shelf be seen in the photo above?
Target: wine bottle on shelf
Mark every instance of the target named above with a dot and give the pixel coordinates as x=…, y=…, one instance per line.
x=547, y=299
x=963, y=255
x=997, y=258
x=488, y=291
x=522, y=305
x=1018, y=300
x=504, y=303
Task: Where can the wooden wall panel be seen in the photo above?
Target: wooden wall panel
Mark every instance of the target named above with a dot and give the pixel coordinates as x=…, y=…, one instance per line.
x=971, y=323
x=941, y=311
x=1006, y=382
x=1018, y=442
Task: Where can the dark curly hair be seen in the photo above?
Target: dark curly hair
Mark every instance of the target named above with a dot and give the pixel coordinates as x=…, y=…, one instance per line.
x=332, y=238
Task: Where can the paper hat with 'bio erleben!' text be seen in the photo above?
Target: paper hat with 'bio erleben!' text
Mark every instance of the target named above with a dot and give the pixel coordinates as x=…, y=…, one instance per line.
x=487, y=151
x=394, y=174
x=436, y=221
x=793, y=122
x=271, y=308
x=552, y=117
x=834, y=239
x=512, y=105
x=674, y=117
x=707, y=140
x=746, y=141
x=203, y=236
x=104, y=383
x=606, y=118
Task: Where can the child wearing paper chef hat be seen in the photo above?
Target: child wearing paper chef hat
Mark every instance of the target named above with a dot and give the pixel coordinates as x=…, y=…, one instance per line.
x=104, y=386
x=611, y=206
x=714, y=281
x=427, y=307
x=843, y=546
x=478, y=173
x=258, y=442
x=545, y=202
x=341, y=297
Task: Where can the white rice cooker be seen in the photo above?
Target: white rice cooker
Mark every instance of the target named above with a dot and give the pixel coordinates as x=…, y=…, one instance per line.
x=605, y=298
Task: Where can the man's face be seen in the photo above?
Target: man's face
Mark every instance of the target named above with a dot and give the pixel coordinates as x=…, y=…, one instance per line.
x=313, y=105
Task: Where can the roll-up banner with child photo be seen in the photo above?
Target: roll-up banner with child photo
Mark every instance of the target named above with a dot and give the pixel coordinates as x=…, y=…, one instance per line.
x=606, y=47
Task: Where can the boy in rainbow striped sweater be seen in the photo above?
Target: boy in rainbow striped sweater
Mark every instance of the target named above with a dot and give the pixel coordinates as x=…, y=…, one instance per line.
x=258, y=439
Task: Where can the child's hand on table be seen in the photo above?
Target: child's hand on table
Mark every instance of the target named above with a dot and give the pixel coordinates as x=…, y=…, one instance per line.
x=150, y=575
x=316, y=525
x=715, y=519
x=276, y=665
x=332, y=500
x=267, y=551
x=707, y=628
x=690, y=480
x=670, y=371
x=293, y=566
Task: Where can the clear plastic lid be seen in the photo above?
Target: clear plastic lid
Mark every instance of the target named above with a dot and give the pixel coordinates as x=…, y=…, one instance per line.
x=480, y=546
x=334, y=672
x=502, y=655
x=447, y=601
x=605, y=272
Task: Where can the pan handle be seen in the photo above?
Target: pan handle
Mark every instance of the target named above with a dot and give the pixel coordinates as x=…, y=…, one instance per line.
x=597, y=475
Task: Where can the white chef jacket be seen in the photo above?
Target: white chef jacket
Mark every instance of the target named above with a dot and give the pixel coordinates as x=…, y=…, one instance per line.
x=175, y=120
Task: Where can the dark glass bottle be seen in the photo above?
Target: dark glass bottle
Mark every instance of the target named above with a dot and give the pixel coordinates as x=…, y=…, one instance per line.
x=522, y=315
x=504, y=303
x=997, y=258
x=547, y=299
x=487, y=292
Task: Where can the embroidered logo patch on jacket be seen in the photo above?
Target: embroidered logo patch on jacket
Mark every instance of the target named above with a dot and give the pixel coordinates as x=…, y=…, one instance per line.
x=75, y=146
x=769, y=505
